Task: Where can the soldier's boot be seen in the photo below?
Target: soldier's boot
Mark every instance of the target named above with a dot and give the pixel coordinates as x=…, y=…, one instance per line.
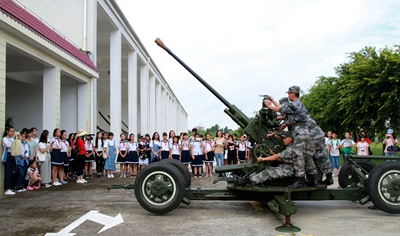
x=242, y=181
x=298, y=183
x=328, y=180
x=312, y=180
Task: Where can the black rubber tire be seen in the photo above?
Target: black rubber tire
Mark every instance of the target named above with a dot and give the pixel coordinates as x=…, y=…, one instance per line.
x=151, y=188
x=181, y=167
x=346, y=174
x=387, y=172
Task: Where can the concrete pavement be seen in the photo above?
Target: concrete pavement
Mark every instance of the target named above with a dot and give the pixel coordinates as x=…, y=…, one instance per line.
x=50, y=210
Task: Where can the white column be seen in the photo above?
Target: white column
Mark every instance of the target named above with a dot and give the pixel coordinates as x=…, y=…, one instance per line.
x=152, y=104
x=50, y=98
x=132, y=92
x=170, y=114
x=178, y=119
x=144, y=79
x=163, y=110
x=173, y=111
x=158, y=107
x=115, y=83
x=3, y=49
x=93, y=103
x=83, y=106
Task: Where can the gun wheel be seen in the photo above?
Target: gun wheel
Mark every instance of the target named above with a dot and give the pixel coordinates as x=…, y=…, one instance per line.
x=181, y=167
x=349, y=179
x=160, y=188
x=384, y=187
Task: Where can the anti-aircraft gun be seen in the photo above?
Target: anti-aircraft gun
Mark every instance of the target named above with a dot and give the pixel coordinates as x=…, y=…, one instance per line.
x=256, y=128
x=162, y=186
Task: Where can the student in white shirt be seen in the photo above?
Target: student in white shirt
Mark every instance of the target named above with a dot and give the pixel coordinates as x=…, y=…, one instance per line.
x=56, y=159
x=99, y=143
x=175, y=149
x=132, y=159
x=185, y=152
x=122, y=151
x=8, y=160
x=89, y=157
x=155, y=147
x=334, y=152
x=164, y=147
x=110, y=148
x=196, y=149
x=347, y=144
x=362, y=147
x=65, y=153
x=208, y=155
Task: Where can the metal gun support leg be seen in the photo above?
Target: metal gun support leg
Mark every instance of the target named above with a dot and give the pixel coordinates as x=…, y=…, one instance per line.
x=287, y=208
x=121, y=186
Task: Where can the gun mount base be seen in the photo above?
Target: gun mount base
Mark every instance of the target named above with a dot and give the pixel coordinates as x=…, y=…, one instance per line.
x=287, y=227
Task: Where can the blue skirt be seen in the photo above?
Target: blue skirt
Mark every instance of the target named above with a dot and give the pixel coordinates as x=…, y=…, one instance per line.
x=210, y=157
x=198, y=160
x=185, y=157
x=132, y=158
x=176, y=157
x=56, y=158
x=164, y=154
x=242, y=156
x=90, y=158
x=65, y=158
x=121, y=160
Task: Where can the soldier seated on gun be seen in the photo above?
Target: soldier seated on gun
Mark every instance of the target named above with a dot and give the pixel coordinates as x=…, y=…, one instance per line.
x=282, y=171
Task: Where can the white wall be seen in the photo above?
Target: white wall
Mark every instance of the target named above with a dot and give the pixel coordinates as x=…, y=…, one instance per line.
x=69, y=108
x=64, y=15
x=24, y=104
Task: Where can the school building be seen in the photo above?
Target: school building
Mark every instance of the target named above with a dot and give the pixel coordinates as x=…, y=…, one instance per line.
x=78, y=64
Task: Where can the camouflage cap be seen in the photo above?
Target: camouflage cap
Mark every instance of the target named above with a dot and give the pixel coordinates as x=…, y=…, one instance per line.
x=294, y=89
x=285, y=134
x=283, y=100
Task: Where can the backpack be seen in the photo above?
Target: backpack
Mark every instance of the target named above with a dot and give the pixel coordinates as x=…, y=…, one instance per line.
x=337, y=143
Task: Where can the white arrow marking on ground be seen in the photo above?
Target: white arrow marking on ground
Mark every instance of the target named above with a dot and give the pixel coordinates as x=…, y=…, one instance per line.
x=94, y=216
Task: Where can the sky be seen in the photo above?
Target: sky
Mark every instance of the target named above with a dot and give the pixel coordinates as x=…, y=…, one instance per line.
x=249, y=48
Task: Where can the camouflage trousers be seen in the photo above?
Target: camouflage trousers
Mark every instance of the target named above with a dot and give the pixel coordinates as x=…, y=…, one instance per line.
x=319, y=153
x=270, y=173
x=301, y=147
x=320, y=157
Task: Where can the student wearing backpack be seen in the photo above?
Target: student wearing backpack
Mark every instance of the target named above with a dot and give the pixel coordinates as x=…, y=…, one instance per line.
x=334, y=153
x=347, y=144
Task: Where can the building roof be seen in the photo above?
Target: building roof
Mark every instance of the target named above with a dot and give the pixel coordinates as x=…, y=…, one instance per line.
x=31, y=22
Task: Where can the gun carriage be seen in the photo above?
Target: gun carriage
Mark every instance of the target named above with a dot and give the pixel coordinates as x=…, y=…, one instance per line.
x=162, y=186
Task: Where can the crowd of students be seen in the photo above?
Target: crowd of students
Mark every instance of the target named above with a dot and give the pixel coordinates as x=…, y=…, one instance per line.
x=194, y=152
x=32, y=162
x=345, y=146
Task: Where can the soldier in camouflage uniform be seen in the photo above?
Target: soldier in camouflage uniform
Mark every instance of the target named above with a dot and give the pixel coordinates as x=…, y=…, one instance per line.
x=296, y=116
x=319, y=154
x=284, y=170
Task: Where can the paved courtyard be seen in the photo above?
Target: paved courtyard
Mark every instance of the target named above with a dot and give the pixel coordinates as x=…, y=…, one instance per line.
x=52, y=210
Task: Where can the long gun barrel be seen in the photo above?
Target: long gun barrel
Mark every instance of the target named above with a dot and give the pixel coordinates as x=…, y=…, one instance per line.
x=236, y=114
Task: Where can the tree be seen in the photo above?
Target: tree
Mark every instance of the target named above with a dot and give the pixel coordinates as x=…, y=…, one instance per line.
x=370, y=91
x=322, y=102
x=365, y=95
